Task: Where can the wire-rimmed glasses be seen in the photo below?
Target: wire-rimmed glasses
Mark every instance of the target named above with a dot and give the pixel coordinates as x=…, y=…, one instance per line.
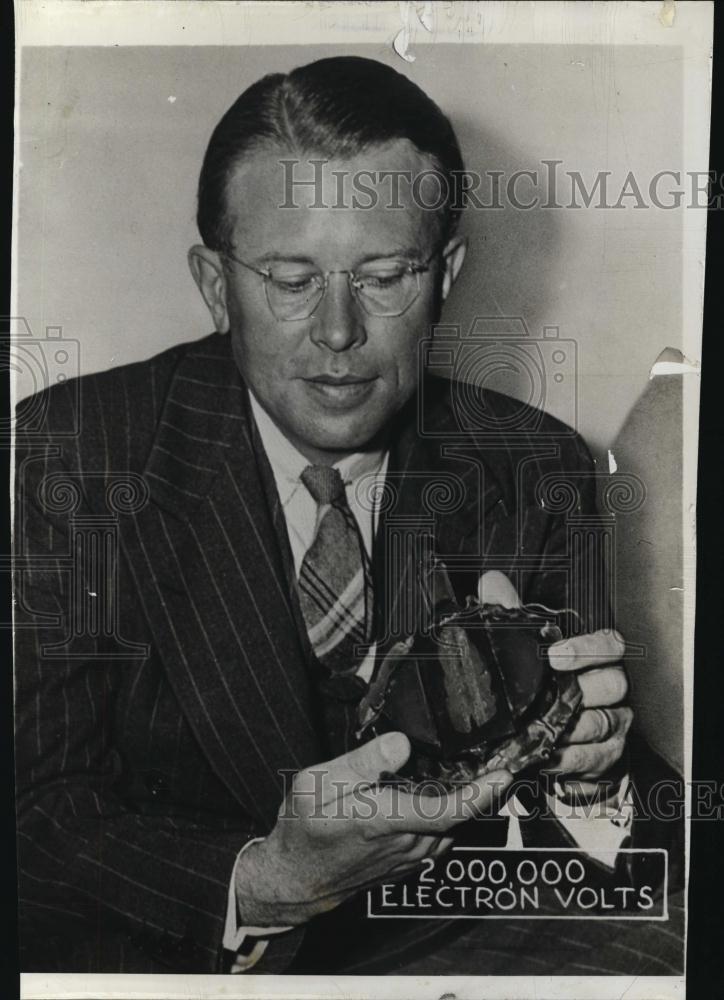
x=383, y=288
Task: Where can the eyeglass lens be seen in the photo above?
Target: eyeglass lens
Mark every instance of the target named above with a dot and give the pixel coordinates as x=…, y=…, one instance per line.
x=385, y=292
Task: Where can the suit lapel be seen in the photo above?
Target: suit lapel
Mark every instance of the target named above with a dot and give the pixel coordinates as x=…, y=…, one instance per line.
x=206, y=560
x=281, y=533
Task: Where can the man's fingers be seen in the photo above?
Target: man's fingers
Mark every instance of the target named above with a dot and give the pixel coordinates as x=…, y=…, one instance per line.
x=603, y=686
x=440, y=846
x=587, y=650
x=359, y=768
x=592, y=790
x=384, y=753
x=435, y=814
x=588, y=760
x=596, y=725
x=422, y=846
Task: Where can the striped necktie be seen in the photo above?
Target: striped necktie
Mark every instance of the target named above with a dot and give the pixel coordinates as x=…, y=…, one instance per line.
x=335, y=583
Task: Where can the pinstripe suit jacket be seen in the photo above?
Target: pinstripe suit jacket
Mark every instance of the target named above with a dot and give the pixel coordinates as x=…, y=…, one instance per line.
x=154, y=731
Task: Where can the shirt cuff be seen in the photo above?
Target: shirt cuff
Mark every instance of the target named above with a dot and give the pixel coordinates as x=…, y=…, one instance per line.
x=235, y=934
x=598, y=828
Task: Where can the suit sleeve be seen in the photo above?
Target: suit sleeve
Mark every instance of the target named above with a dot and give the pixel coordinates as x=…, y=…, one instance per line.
x=98, y=880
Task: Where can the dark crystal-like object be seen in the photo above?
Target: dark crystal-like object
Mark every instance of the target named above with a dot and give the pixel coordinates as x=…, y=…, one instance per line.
x=475, y=692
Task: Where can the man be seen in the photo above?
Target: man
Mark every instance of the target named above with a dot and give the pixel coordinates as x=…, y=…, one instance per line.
x=154, y=754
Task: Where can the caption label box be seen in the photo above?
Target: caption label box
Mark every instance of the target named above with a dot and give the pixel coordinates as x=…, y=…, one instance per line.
x=534, y=883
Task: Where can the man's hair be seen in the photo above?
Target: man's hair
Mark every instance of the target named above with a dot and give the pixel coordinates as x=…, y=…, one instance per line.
x=335, y=108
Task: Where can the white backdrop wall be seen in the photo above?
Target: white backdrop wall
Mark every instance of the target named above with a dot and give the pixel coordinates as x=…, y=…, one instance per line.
x=111, y=142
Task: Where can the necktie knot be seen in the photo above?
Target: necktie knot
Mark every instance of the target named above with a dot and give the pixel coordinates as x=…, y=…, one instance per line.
x=324, y=483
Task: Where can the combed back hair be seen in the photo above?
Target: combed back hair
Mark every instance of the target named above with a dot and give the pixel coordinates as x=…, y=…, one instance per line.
x=334, y=108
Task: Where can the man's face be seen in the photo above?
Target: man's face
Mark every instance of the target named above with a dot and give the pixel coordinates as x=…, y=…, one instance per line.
x=332, y=381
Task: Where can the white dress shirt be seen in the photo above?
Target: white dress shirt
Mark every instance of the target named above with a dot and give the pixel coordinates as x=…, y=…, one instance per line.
x=598, y=837
x=359, y=473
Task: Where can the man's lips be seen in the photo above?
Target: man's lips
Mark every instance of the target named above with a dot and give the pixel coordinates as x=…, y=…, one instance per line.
x=341, y=391
x=340, y=379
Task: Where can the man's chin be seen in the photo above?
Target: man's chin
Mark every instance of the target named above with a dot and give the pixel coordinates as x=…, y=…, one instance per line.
x=339, y=447
x=335, y=443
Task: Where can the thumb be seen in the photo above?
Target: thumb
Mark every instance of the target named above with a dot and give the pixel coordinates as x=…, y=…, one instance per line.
x=366, y=763
x=480, y=797
x=335, y=779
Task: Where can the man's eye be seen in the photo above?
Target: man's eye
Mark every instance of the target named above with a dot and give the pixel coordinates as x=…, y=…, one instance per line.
x=388, y=279
x=294, y=284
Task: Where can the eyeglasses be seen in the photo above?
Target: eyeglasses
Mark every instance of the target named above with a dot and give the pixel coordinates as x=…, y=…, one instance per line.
x=384, y=288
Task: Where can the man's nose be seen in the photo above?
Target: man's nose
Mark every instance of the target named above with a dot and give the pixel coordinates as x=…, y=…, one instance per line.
x=338, y=323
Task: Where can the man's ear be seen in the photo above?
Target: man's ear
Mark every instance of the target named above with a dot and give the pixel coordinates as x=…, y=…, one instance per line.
x=208, y=273
x=452, y=256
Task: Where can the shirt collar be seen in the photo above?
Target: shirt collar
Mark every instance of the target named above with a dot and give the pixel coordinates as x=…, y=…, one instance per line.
x=288, y=464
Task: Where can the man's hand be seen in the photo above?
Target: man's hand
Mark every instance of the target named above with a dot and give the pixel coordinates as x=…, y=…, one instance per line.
x=339, y=832
x=598, y=738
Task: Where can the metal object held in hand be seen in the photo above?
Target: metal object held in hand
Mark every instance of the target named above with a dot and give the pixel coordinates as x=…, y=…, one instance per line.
x=475, y=693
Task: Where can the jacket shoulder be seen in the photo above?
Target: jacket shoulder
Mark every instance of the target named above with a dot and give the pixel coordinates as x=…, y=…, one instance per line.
x=520, y=445
x=114, y=412
x=494, y=417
